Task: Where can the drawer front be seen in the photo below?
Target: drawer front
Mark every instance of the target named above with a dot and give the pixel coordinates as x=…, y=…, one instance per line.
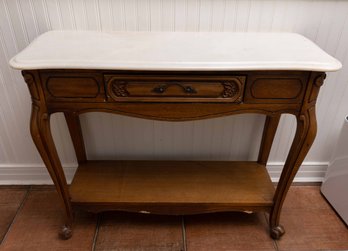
x=276, y=88
x=84, y=87
x=174, y=89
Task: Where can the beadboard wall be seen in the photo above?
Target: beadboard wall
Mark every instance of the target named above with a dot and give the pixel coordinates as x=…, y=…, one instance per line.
x=118, y=137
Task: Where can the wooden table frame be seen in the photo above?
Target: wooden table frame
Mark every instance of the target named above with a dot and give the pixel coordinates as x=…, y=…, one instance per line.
x=263, y=99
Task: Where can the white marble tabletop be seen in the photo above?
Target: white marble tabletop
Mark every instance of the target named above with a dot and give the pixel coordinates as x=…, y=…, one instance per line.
x=184, y=51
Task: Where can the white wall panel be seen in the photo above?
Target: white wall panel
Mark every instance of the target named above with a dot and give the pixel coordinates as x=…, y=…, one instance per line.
x=114, y=136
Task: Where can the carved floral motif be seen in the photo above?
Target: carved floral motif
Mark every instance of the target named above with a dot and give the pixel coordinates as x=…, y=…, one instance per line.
x=231, y=89
x=119, y=88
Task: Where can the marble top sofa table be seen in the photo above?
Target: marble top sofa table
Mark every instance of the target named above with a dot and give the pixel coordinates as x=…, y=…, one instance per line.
x=173, y=77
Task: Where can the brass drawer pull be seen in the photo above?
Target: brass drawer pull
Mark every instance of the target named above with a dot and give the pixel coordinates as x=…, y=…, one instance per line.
x=162, y=88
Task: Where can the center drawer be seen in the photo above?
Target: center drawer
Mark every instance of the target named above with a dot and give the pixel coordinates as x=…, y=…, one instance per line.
x=174, y=88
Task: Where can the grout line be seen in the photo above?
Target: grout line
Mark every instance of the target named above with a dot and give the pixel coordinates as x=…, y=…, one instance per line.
x=273, y=241
x=183, y=233
x=275, y=245
x=96, y=232
x=16, y=215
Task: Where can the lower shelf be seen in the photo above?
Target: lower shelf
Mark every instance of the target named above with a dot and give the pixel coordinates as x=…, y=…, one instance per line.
x=172, y=187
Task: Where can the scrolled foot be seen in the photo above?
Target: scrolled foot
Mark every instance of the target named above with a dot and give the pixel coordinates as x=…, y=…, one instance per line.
x=277, y=232
x=65, y=233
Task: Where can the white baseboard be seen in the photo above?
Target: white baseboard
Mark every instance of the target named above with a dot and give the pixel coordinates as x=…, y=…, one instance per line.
x=36, y=174
x=31, y=174
x=308, y=172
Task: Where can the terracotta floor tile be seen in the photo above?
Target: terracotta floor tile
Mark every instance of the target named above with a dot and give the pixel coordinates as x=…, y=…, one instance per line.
x=310, y=223
x=10, y=201
x=228, y=231
x=318, y=229
x=127, y=231
x=38, y=222
x=12, y=196
x=305, y=197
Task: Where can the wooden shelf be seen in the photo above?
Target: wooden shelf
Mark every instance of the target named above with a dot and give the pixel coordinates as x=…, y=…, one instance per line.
x=172, y=187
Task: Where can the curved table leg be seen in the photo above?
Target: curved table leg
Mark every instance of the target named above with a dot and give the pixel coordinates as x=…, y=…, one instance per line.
x=305, y=134
x=73, y=122
x=42, y=137
x=269, y=131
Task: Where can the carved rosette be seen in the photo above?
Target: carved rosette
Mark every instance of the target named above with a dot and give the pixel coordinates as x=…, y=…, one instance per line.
x=319, y=81
x=232, y=90
x=118, y=88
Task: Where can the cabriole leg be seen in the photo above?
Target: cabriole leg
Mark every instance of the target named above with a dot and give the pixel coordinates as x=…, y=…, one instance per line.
x=304, y=137
x=73, y=122
x=42, y=137
x=269, y=131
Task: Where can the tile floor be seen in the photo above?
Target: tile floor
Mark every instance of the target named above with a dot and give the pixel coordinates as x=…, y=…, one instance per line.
x=30, y=218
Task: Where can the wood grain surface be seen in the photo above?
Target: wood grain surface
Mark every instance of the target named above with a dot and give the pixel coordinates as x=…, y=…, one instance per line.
x=212, y=186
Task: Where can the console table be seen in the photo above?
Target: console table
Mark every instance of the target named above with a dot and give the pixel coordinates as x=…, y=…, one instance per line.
x=173, y=77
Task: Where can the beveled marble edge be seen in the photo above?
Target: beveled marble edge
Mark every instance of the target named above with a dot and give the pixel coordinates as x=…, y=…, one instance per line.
x=140, y=48
x=175, y=67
